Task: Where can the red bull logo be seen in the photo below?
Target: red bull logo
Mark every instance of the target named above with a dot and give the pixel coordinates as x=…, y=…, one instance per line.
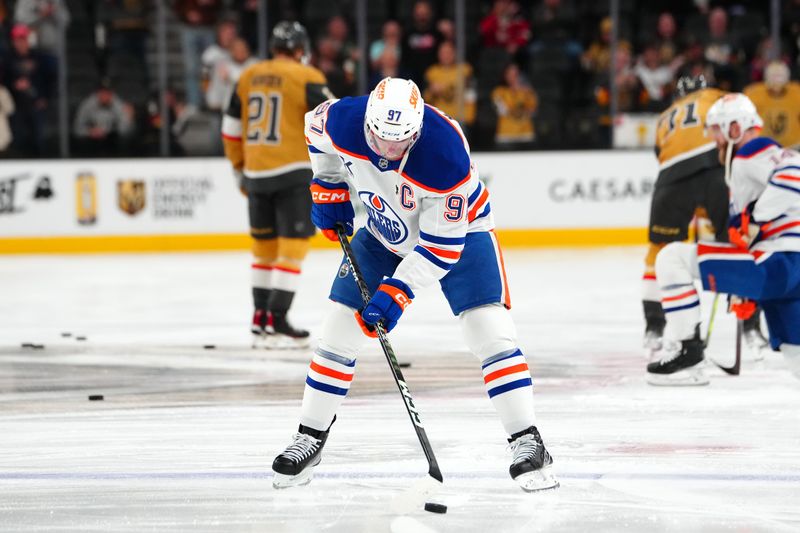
x=383, y=218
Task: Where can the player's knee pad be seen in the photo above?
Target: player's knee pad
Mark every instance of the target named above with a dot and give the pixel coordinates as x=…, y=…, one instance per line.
x=265, y=251
x=652, y=253
x=488, y=330
x=291, y=252
x=341, y=333
x=677, y=264
x=791, y=354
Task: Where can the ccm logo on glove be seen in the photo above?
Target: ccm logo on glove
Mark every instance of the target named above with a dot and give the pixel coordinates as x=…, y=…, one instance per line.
x=387, y=305
x=322, y=196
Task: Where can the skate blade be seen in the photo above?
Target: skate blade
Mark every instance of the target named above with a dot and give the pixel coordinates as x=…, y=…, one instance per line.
x=690, y=377
x=538, y=480
x=284, y=342
x=283, y=481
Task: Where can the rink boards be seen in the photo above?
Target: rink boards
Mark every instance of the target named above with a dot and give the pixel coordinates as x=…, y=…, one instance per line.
x=538, y=199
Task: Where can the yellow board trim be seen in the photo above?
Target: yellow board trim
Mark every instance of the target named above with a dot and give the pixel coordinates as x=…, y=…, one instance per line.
x=512, y=238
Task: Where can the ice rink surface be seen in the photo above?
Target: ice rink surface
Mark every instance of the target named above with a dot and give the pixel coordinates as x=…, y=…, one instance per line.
x=185, y=436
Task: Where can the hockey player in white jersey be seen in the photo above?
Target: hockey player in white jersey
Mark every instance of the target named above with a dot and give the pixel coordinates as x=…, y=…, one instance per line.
x=762, y=262
x=429, y=220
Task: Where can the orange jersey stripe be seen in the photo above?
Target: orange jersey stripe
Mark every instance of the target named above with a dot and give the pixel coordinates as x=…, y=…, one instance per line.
x=678, y=297
x=448, y=254
x=522, y=367
x=325, y=371
x=480, y=203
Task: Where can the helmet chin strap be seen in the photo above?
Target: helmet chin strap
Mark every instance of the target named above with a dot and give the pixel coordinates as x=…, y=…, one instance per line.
x=728, y=160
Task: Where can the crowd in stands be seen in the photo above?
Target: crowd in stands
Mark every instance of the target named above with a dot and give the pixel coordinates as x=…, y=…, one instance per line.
x=536, y=73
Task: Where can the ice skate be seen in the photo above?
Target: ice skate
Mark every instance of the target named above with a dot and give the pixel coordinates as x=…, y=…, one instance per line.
x=259, y=328
x=679, y=364
x=531, y=465
x=284, y=336
x=295, y=465
x=757, y=344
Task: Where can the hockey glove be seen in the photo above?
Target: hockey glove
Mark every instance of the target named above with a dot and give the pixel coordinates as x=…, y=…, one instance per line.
x=741, y=307
x=238, y=175
x=388, y=303
x=331, y=207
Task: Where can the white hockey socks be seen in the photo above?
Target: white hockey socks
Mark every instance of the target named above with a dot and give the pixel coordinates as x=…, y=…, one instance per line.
x=509, y=386
x=331, y=371
x=676, y=270
x=490, y=334
x=328, y=380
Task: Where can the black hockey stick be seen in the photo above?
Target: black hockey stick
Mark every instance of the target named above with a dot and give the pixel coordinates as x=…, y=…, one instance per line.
x=413, y=414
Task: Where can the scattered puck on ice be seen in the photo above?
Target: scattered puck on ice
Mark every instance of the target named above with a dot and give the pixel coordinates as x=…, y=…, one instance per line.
x=404, y=365
x=66, y=334
x=95, y=397
x=435, y=507
x=209, y=346
x=38, y=346
x=80, y=338
x=28, y=345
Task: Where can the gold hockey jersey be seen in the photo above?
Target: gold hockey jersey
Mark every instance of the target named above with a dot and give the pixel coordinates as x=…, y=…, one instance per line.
x=443, y=89
x=262, y=129
x=781, y=113
x=682, y=145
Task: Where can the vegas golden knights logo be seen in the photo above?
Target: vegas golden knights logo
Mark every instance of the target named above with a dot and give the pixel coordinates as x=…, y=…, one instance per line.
x=86, y=198
x=131, y=196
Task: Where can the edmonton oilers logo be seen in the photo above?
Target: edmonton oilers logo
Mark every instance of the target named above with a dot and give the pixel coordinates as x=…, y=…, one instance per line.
x=384, y=218
x=383, y=163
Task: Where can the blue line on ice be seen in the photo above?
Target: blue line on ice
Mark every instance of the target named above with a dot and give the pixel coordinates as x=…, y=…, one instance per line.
x=6, y=476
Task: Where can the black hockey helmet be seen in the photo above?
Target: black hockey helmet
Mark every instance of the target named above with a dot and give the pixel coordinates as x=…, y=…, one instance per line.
x=690, y=84
x=288, y=37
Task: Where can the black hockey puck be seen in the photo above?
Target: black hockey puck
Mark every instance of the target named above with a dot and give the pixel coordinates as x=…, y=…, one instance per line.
x=28, y=345
x=80, y=338
x=95, y=397
x=404, y=365
x=435, y=507
x=66, y=334
x=209, y=346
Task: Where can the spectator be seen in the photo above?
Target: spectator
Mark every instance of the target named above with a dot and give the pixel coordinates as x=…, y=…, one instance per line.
x=504, y=27
x=225, y=75
x=338, y=32
x=248, y=21
x=447, y=29
x=628, y=91
x=103, y=124
x=197, y=33
x=516, y=104
x=388, y=66
x=29, y=76
x=555, y=24
x=721, y=50
x=777, y=100
x=655, y=77
x=178, y=114
x=450, y=86
x=597, y=59
x=762, y=58
x=6, y=110
x=421, y=42
x=127, y=26
x=340, y=82
x=46, y=18
x=218, y=51
x=391, y=35
x=667, y=40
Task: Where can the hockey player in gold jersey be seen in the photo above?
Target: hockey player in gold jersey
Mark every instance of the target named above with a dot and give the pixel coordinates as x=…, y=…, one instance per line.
x=690, y=180
x=262, y=131
x=777, y=100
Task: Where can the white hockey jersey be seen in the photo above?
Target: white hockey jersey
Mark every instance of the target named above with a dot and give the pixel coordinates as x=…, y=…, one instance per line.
x=765, y=179
x=421, y=213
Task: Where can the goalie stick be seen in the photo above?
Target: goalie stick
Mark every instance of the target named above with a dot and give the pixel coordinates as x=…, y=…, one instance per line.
x=427, y=486
x=737, y=365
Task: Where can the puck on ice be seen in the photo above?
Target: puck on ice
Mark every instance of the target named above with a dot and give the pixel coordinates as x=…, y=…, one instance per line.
x=66, y=334
x=95, y=397
x=80, y=338
x=404, y=365
x=209, y=346
x=435, y=507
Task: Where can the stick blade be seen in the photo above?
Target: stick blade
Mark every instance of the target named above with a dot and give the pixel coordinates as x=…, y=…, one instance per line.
x=414, y=497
